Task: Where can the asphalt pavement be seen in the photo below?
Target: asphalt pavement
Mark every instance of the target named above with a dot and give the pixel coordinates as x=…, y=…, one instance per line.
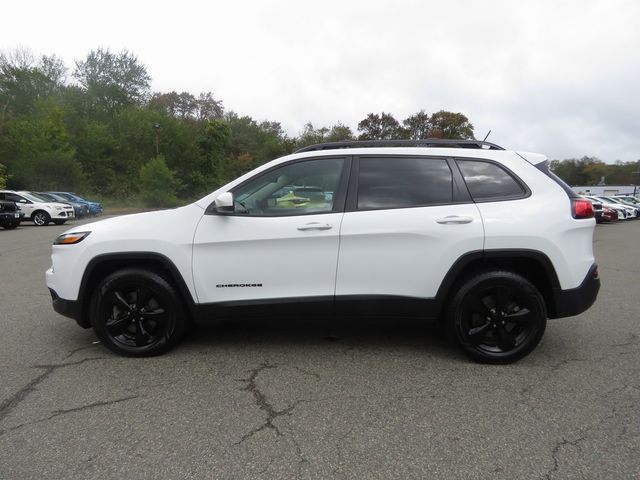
x=296, y=399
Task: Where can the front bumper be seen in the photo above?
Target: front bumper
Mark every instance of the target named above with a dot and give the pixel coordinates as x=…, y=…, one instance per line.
x=68, y=308
x=568, y=303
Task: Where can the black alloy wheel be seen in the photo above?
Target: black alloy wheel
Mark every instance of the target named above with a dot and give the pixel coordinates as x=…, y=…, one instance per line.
x=497, y=317
x=137, y=313
x=10, y=225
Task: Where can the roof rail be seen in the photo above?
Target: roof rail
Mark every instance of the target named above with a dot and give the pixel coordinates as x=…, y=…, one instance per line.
x=427, y=142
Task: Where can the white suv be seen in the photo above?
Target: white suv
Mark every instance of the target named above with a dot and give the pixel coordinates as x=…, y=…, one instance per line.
x=488, y=241
x=38, y=210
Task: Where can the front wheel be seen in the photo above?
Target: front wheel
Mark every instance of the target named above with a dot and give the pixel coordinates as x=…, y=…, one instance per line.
x=497, y=317
x=11, y=225
x=41, y=218
x=137, y=313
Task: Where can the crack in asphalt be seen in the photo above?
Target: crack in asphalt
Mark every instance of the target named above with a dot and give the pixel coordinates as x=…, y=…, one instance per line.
x=75, y=350
x=632, y=339
x=8, y=405
x=556, y=451
x=263, y=404
x=58, y=413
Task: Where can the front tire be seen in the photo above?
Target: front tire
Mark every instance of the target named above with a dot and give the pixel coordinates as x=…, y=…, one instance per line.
x=137, y=313
x=41, y=218
x=497, y=317
x=10, y=225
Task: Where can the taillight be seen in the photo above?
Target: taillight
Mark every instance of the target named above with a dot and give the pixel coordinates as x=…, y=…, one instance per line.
x=581, y=208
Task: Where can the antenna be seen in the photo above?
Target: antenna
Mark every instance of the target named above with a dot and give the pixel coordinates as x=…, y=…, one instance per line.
x=486, y=136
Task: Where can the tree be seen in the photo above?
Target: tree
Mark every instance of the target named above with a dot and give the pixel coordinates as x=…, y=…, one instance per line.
x=418, y=126
x=113, y=80
x=450, y=125
x=3, y=176
x=158, y=183
x=380, y=127
x=25, y=81
x=208, y=108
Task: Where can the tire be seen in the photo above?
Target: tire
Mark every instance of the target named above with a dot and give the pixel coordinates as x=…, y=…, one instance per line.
x=10, y=225
x=41, y=218
x=497, y=317
x=133, y=327
x=59, y=222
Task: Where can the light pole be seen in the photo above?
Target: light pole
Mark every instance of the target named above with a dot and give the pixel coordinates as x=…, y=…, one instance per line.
x=156, y=127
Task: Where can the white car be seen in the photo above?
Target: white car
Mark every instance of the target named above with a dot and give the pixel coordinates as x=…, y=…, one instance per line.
x=488, y=241
x=635, y=210
x=623, y=211
x=39, y=211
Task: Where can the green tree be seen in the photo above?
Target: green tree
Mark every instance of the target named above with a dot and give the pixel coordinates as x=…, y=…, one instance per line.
x=418, y=126
x=380, y=127
x=451, y=125
x=113, y=80
x=3, y=176
x=158, y=183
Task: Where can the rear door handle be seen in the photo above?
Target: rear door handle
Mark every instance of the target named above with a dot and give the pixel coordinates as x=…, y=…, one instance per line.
x=454, y=219
x=314, y=226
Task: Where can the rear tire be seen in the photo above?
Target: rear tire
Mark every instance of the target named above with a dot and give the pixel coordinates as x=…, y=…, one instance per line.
x=137, y=313
x=497, y=317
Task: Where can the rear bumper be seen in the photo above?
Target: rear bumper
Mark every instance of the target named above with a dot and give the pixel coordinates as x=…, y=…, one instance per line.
x=568, y=303
x=68, y=308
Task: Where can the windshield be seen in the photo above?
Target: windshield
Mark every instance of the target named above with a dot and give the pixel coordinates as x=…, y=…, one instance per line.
x=45, y=196
x=32, y=197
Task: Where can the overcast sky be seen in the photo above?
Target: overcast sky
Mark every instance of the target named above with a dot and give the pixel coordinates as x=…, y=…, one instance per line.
x=556, y=77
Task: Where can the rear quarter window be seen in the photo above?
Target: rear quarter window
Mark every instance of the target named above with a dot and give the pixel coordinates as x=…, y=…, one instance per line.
x=488, y=181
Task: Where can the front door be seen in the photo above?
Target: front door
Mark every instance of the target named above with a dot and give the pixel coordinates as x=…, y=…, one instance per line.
x=280, y=244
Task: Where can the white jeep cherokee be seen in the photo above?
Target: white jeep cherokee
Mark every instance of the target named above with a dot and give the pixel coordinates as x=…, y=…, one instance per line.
x=488, y=241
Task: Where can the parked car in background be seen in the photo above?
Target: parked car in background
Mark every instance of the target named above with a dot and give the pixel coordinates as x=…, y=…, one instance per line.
x=632, y=209
x=629, y=199
x=608, y=215
x=622, y=212
x=10, y=215
x=80, y=209
x=95, y=208
x=597, y=209
x=37, y=210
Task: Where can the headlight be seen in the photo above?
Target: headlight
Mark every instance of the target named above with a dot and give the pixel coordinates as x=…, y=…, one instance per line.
x=71, y=238
x=58, y=208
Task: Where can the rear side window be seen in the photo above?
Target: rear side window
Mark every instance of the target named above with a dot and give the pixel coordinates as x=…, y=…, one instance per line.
x=488, y=181
x=396, y=182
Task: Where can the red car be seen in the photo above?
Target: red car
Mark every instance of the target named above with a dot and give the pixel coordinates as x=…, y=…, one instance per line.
x=609, y=215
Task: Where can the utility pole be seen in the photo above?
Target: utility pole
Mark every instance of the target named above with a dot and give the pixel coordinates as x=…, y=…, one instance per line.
x=156, y=127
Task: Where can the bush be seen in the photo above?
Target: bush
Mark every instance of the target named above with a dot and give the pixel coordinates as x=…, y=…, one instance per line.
x=158, y=184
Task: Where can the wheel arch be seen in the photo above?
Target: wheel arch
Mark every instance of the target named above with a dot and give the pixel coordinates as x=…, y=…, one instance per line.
x=102, y=265
x=533, y=265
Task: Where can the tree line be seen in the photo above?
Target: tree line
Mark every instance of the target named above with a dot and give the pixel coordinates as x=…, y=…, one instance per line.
x=593, y=171
x=99, y=128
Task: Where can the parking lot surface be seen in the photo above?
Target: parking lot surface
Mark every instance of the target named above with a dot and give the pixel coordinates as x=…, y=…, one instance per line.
x=296, y=399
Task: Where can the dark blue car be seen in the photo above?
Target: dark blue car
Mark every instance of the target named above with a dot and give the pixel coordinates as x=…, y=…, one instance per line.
x=95, y=208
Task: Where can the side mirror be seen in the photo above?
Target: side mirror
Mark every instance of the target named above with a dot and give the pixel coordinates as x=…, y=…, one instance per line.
x=224, y=203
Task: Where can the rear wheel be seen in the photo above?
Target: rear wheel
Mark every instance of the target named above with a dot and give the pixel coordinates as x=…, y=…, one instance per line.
x=41, y=218
x=497, y=317
x=137, y=313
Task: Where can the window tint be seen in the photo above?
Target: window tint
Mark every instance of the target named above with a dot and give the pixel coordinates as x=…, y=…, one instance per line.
x=293, y=189
x=394, y=182
x=488, y=180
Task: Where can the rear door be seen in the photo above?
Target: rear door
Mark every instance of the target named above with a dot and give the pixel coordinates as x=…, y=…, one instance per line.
x=408, y=220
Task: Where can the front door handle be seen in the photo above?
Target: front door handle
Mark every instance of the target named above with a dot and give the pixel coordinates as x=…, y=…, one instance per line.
x=454, y=219
x=314, y=226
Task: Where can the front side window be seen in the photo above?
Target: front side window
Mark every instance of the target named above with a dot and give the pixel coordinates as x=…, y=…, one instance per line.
x=397, y=182
x=489, y=181
x=294, y=189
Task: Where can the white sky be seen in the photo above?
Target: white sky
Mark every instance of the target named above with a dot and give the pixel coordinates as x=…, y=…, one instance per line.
x=556, y=77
